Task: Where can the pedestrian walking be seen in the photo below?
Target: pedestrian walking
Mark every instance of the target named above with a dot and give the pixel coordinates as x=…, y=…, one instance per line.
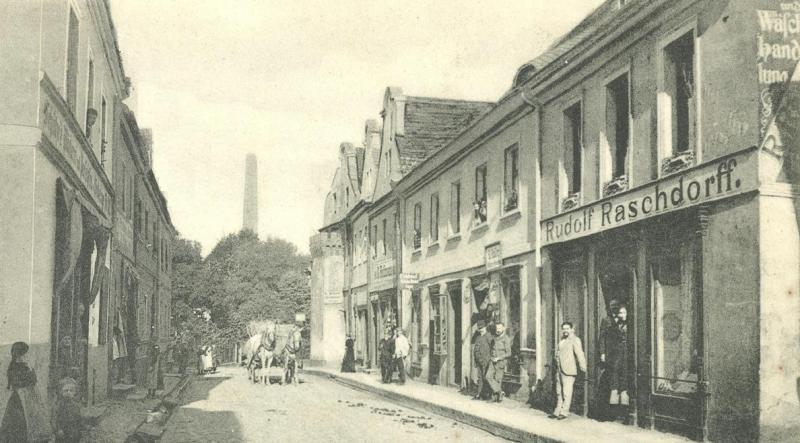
x=482, y=355
x=349, y=360
x=401, y=349
x=67, y=413
x=569, y=358
x=501, y=351
x=25, y=419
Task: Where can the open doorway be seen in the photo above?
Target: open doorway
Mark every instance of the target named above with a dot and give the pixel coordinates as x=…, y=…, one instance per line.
x=456, y=331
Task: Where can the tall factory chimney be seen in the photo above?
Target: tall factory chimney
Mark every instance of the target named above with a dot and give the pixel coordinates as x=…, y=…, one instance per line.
x=250, y=219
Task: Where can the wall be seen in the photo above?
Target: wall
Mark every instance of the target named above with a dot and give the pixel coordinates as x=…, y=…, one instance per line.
x=731, y=312
x=779, y=369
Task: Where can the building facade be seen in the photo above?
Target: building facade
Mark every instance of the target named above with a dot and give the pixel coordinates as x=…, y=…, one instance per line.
x=63, y=84
x=647, y=158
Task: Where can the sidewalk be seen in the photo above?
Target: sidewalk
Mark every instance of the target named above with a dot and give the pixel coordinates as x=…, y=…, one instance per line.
x=510, y=419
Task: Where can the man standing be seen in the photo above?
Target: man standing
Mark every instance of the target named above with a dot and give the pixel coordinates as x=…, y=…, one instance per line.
x=401, y=349
x=386, y=350
x=501, y=351
x=569, y=358
x=290, y=354
x=482, y=353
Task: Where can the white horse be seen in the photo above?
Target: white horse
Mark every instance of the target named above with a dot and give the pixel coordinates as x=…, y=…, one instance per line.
x=261, y=345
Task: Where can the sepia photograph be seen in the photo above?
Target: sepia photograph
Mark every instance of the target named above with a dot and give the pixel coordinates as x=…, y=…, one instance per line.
x=399, y=221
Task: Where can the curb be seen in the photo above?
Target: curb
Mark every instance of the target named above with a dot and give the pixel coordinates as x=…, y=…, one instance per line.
x=152, y=431
x=490, y=426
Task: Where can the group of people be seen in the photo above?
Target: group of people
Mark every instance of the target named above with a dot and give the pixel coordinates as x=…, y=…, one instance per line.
x=393, y=350
x=613, y=375
x=26, y=417
x=205, y=360
x=491, y=354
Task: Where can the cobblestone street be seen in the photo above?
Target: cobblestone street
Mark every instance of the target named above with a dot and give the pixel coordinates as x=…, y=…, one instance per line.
x=227, y=407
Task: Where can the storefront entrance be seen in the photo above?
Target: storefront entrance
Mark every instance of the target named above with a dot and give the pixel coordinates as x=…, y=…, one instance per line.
x=456, y=333
x=571, y=293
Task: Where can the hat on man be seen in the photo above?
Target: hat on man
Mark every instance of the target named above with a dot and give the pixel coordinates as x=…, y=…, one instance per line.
x=481, y=324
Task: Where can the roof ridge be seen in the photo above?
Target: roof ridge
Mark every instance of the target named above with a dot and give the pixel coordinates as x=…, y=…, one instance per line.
x=448, y=100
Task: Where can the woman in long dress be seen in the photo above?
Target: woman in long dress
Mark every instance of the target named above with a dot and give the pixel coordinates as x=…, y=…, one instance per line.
x=349, y=361
x=208, y=362
x=25, y=419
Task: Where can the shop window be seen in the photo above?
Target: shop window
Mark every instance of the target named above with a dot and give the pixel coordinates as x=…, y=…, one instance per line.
x=479, y=205
x=618, y=135
x=439, y=308
x=434, y=228
x=511, y=179
x=455, y=208
x=573, y=153
x=417, y=226
x=676, y=325
x=677, y=105
x=72, y=62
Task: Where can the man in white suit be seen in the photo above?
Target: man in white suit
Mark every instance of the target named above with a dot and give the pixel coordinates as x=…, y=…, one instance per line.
x=569, y=358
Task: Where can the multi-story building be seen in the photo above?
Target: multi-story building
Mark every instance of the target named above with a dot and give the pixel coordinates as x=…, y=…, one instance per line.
x=62, y=87
x=647, y=157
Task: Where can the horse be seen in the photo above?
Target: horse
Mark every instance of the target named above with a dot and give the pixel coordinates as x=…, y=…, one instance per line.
x=261, y=349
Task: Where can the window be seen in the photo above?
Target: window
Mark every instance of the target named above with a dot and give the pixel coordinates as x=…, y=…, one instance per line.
x=375, y=240
x=677, y=104
x=434, y=218
x=72, y=62
x=511, y=179
x=455, y=208
x=347, y=198
x=388, y=162
x=416, y=327
x=103, y=135
x=677, y=325
x=618, y=125
x=90, y=102
x=479, y=206
x=335, y=204
x=573, y=147
x=123, y=193
x=383, y=222
x=417, y=226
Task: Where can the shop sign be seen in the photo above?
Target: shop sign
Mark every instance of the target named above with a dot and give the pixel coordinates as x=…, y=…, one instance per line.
x=731, y=175
x=778, y=43
x=383, y=268
x=62, y=136
x=493, y=256
x=408, y=280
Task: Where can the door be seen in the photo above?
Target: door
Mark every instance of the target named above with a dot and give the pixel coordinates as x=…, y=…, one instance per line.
x=615, y=286
x=570, y=302
x=456, y=334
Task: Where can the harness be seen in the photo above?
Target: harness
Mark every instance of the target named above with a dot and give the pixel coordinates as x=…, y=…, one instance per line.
x=290, y=344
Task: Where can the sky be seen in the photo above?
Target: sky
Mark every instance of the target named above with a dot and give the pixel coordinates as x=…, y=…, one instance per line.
x=290, y=80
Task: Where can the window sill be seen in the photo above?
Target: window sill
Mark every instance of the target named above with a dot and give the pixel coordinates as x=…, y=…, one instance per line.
x=416, y=251
x=511, y=214
x=480, y=226
x=433, y=245
x=454, y=237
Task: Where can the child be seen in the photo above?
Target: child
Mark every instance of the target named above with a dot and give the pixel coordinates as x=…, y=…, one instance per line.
x=67, y=412
x=25, y=418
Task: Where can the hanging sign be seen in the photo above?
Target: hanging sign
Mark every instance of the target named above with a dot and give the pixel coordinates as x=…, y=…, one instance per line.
x=493, y=256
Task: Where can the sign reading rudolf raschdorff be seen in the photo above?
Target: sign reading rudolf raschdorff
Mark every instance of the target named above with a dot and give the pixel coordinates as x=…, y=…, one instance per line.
x=728, y=176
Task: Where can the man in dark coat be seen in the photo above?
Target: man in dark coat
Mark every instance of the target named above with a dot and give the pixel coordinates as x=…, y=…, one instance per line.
x=482, y=353
x=387, y=356
x=501, y=352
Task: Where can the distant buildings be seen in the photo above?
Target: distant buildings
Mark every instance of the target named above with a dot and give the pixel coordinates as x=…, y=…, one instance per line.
x=646, y=157
x=86, y=239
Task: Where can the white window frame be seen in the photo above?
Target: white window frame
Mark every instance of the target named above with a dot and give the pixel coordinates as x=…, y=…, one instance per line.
x=606, y=165
x=504, y=192
x=664, y=102
x=564, y=181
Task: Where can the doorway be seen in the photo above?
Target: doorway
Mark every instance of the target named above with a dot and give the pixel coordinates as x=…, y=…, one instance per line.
x=570, y=302
x=454, y=290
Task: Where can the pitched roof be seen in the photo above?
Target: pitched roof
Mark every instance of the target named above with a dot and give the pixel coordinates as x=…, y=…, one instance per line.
x=431, y=123
x=596, y=21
